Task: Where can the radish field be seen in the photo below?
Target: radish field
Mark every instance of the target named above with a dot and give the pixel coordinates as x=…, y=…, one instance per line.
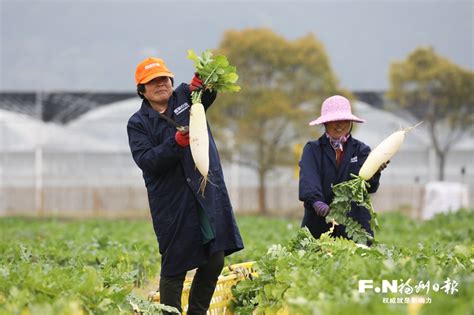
x=54, y=266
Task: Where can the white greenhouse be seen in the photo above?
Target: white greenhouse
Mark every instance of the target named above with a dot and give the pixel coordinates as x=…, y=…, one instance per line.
x=84, y=168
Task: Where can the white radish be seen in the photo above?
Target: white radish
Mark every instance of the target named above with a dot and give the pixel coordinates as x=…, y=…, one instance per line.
x=199, y=141
x=383, y=152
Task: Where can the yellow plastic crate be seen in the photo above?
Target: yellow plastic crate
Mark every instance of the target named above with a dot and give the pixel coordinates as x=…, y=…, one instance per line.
x=230, y=275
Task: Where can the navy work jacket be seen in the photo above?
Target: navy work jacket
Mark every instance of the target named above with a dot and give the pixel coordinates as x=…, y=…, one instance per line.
x=172, y=181
x=318, y=172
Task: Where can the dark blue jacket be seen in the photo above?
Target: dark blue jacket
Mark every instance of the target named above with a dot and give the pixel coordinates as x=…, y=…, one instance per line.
x=318, y=172
x=172, y=182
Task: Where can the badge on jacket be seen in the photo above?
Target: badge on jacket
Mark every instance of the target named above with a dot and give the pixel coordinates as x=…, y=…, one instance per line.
x=354, y=159
x=181, y=108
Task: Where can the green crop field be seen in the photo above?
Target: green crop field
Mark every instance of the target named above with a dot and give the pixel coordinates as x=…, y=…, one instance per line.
x=53, y=266
x=428, y=266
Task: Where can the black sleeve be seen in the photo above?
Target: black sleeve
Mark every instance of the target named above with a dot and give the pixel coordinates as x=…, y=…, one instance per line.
x=310, y=187
x=208, y=98
x=151, y=158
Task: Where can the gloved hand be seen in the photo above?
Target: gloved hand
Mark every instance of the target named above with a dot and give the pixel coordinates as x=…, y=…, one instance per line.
x=182, y=138
x=383, y=166
x=321, y=208
x=196, y=83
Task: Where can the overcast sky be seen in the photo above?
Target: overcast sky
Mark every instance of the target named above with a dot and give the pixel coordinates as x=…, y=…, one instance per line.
x=95, y=45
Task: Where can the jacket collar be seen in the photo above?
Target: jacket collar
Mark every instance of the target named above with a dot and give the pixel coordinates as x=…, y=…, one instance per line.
x=146, y=109
x=349, y=148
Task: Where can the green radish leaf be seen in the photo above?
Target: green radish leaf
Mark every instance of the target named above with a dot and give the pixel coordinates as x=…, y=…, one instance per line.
x=192, y=55
x=215, y=72
x=354, y=190
x=221, y=61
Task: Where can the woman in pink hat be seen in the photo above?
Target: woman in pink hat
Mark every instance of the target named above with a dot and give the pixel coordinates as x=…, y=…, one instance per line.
x=330, y=160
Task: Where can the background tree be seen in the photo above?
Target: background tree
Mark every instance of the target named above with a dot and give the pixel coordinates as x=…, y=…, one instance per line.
x=437, y=91
x=283, y=83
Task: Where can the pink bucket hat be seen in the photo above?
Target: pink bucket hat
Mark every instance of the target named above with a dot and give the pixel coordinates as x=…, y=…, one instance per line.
x=336, y=108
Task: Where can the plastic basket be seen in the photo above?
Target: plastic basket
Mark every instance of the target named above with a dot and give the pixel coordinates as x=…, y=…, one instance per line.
x=230, y=276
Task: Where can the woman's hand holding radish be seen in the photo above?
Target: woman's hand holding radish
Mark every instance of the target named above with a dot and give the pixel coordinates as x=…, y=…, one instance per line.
x=321, y=208
x=196, y=83
x=383, y=166
x=182, y=138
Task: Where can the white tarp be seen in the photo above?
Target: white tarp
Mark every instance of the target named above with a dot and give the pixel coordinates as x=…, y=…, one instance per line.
x=107, y=123
x=19, y=132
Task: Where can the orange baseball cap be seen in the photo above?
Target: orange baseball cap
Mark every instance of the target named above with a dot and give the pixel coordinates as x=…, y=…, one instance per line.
x=151, y=68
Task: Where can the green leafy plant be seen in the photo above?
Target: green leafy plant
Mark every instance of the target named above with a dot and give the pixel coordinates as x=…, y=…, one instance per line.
x=146, y=307
x=104, y=266
x=57, y=267
x=54, y=266
x=346, y=193
x=215, y=72
x=321, y=276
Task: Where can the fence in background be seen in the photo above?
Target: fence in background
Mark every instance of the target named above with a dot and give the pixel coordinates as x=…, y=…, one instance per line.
x=126, y=197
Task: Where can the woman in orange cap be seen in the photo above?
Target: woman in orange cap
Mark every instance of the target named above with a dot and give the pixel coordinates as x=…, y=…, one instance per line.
x=193, y=231
x=330, y=160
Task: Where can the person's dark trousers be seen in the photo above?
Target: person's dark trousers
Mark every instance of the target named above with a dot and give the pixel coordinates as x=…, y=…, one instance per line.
x=204, y=284
x=171, y=289
x=202, y=288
